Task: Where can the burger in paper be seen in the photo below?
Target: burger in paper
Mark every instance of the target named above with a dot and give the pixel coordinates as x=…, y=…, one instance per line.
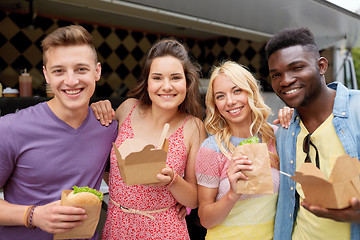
x=260, y=178
x=89, y=199
x=85, y=195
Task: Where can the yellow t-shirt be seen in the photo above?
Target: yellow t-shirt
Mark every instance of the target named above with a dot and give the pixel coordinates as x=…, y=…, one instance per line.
x=307, y=225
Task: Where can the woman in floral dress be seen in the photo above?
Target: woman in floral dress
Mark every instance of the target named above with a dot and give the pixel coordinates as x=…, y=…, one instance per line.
x=168, y=92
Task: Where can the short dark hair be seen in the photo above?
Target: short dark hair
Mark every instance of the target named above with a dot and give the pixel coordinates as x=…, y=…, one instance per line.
x=291, y=37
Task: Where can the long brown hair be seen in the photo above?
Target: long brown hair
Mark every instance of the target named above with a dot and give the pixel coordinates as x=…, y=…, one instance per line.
x=171, y=47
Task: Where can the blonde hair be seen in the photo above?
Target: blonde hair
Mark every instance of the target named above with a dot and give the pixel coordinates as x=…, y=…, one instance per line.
x=216, y=125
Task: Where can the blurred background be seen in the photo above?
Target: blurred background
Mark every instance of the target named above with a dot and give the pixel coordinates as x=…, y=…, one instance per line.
x=213, y=31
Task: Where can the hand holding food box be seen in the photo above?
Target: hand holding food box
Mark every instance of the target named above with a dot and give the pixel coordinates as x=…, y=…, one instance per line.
x=260, y=178
x=140, y=162
x=336, y=192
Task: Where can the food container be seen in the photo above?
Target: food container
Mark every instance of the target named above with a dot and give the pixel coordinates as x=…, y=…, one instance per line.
x=334, y=192
x=87, y=229
x=139, y=162
x=25, y=84
x=10, y=92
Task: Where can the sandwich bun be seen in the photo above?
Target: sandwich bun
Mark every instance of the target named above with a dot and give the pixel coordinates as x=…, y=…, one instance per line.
x=86, y=198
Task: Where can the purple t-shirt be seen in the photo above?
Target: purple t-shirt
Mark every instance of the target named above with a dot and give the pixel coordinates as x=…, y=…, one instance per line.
x=40, y=155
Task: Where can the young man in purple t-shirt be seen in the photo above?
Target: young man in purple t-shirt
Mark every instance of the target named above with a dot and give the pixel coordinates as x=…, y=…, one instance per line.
x=54, y=145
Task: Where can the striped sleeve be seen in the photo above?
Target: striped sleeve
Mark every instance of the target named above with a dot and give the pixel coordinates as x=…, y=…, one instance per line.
x=208, y=167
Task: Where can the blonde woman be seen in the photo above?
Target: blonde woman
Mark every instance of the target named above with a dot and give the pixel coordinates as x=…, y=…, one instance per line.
x=235, y=111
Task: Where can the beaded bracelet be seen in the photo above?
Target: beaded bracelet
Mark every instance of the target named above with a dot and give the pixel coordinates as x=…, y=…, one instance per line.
x=30, y=217
x=25, y=215
x=173, y=180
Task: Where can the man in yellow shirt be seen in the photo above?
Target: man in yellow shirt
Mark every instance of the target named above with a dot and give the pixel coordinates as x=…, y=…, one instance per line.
x=325, y=125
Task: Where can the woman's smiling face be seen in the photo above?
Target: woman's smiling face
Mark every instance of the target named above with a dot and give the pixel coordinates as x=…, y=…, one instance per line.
x=166, y=82
x=231, y=101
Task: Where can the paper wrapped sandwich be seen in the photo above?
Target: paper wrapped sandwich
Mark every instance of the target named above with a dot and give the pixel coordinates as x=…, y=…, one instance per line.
x=140, y=162
x=343, y=183
x=260, y=178
x=88, y=198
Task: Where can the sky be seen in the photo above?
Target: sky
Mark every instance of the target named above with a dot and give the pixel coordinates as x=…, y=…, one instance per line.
x=351, y=5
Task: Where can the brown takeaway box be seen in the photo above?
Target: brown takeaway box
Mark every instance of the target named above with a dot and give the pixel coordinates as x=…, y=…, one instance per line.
x=139, y=162
x=336, y=192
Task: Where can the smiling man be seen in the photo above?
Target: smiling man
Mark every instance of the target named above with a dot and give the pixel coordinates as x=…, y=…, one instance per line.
x=54, y=145
x=325, y=125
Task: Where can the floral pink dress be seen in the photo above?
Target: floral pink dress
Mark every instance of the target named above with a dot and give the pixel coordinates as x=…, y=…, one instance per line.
x=165, y=225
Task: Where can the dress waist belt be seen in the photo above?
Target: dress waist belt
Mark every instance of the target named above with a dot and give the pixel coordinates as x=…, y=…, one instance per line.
x=140, y=212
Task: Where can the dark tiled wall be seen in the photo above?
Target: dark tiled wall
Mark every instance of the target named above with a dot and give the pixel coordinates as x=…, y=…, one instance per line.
x=121, y=53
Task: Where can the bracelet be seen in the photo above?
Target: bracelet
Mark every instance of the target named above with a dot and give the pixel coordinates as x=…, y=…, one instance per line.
x=31, y=215
x=25, y=215
x=172, y=181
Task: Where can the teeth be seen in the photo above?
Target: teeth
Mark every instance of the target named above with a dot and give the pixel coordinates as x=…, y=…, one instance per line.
x=292, y=91
x=234, y=110
x=167, y=96
x=71, y=92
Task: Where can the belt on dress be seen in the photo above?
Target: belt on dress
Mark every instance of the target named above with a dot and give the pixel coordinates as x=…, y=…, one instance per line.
x=139, y=212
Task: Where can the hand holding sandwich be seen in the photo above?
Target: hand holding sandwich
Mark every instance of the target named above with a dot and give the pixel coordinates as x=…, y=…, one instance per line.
x=235, y=174
x=54, y=218
x=51, y=217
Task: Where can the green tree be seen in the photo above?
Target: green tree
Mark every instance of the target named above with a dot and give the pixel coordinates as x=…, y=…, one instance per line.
x=356, y=57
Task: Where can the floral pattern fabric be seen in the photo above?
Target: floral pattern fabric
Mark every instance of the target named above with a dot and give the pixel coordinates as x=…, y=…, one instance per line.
x=166, y=225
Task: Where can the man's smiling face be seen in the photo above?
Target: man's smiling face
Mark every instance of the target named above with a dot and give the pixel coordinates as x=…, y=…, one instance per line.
x=72, y=73
x=295, y=75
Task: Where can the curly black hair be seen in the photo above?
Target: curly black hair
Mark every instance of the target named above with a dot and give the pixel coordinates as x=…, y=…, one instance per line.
x=291, y=37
